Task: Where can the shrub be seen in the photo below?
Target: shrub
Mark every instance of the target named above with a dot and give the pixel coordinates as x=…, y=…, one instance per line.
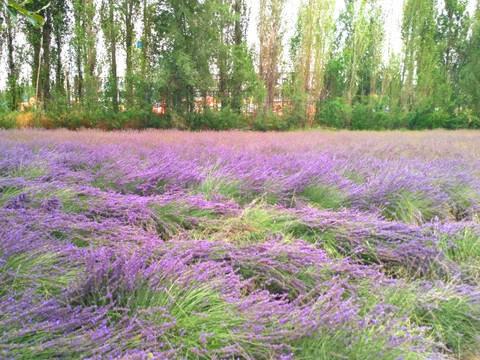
x=362, y=118
x=424, y=117
x=334, y=113
x=271, y=122
x=463, y=119
x=8, y=119
x=158, y=121
x=25, y=119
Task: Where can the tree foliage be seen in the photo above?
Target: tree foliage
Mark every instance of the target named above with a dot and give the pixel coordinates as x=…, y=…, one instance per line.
x=90, y=60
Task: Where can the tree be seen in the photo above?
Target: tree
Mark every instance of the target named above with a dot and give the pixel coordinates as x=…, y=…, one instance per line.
x=271, y=35
x=363, y=22
x=453, y=26
x=59, y=19
x=78, y=45
x=143, y=81
x=129, y=12
x=186, y=41
x=311, y=49
x=421, y=60
x=110, y=29
x=469, y=75
x=236, y=73
x=391, y=86
x=39, y=39
x=12, y=74
x=9, y=12
x=84, y=43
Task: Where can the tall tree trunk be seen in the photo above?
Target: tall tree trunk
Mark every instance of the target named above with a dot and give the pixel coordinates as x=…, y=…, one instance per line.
x=223, y=49
x=59, y=16
x=145, y=39
x=113, y=55
x=90, y=53
x=45, y=68
x=12, y=73
x=59, y=79
x=269, y=28
x=79, y=33
x=237, y=10
x=236, y=91
x=129, y=8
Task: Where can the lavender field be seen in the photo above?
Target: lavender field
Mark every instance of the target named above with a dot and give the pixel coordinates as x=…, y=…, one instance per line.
x=176, y=245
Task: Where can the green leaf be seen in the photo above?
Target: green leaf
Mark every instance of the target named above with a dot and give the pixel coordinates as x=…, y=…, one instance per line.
x=14, y=8
x=13, y=13
x=13, y=5
x=38, y=19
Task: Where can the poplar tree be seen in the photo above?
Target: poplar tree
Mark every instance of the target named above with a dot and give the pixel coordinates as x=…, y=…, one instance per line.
x=8, y=38
x=84, y=43
x=111, y=31
x=236, y=73
x=129, y=12
x=60, y=31
x=470, y=74
x=270, y=55
x=453, y=26
x=143, y=80
x=363, y=22
x=421, y=59
x=311, y=49
x=186, y=35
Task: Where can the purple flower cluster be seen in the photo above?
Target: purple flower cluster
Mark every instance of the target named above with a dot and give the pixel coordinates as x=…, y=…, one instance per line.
x=125, y=246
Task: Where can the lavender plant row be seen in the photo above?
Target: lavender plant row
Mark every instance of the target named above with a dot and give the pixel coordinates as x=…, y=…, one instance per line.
x=173, y=245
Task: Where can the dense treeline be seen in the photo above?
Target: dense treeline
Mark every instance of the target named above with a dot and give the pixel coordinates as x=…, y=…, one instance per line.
x=189, y=58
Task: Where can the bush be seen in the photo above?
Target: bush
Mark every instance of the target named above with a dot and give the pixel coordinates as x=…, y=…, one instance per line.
x=362, y=118
x=271, y=122
x=158, y=121
x=214, y=120
x=334, y=113
x=8, y=119
x=463, y=119
x=424, y=117
x=372, y=114
x=196, y=121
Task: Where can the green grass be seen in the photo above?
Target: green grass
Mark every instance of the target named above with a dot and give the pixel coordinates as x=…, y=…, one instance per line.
x=78, y=240
x=28, y=172
x=454, y=321
x=448, y=319
x=195, y=310
x=7, y=192
x=197, y=316
x=217, y=186
x=104, y=184
x=356, y=177
x=464, y=250
x=367, y=341
x=258, y=222
x=412, y=208
x=36, y=272
x=325, y=196
x=463, y=247
x=462, y=198
x=71, y=201
x=174, y=218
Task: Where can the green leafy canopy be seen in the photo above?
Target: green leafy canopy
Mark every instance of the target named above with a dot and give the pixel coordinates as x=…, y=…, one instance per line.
x=14, y=9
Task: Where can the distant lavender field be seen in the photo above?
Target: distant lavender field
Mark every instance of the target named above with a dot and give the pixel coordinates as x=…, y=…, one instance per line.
x=175, y=245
